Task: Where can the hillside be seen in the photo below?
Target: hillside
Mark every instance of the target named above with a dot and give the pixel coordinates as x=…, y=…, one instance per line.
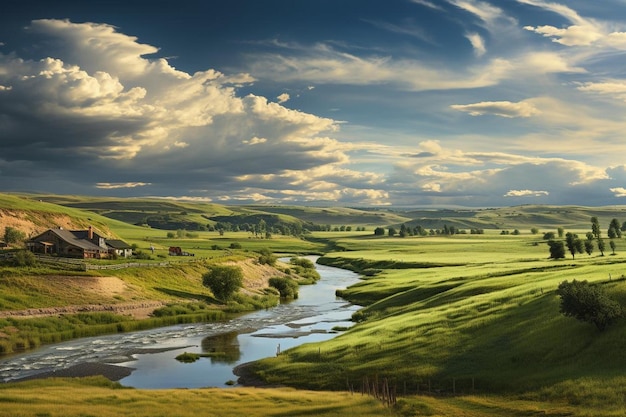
x=75, y=211
x=33, y=216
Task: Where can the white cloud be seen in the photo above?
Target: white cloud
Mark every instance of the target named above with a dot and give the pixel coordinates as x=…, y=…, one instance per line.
x=284, y=97
x=111, y=186
x=498, y=108
x=477, y=43
x=526, y=193
x=619, y=191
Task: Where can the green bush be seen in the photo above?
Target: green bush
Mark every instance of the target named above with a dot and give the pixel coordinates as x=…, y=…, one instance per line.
x=588, y=303
x=24, y=258
x=287, y=287
x=267, y=257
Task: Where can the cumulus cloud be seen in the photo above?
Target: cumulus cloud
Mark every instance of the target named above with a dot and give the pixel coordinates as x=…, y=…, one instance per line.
x=103, y=104
x=498, y=108
x=283, y=98
x=525, y=193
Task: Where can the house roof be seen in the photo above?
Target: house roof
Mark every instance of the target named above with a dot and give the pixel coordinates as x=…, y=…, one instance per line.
x=117, y=244
x=72, y=239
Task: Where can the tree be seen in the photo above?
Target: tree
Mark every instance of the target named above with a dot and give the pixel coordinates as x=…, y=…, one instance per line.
x=588, y=303
x=601, y=246
x=573, y=244
x=595, y=230
x=589, y=246
x=379, y=231
x=534, y=231
x=223, y=280
x=13, y=235
x=392, y=231
x=549, y=236
x=612, y=245
x=615, y=230
x=560, y=231
x=557, y=249
x=595, y=227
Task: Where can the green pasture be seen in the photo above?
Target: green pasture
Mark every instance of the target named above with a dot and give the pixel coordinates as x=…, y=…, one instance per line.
x=465, y=314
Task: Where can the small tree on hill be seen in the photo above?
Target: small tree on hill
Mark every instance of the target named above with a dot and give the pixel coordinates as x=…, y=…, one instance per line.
x=589, y=246
x=557, y=249
x=615, y=230
x=379, y=231
x=612, y=245
x=223, y=280
x=588, y=303
x=573, y=244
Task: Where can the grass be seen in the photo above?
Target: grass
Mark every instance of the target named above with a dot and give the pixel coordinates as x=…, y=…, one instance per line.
x=98, y=397
x=467, y=314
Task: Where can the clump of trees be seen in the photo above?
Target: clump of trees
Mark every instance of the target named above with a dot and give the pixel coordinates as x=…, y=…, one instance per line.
x=223, y=281
x=588, y=303
x=575, y=245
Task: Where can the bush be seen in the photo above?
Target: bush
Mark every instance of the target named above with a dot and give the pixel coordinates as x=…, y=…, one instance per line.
x=267, y=257
x=588, y=303
x=235, y=245
x=13, y=235
x=224, y=281
x=287, y=287
x=24, y=258
x=303, y=262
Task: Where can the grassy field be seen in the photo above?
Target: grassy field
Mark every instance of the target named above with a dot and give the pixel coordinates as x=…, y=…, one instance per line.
x=98, y=397
x=460, y=325
x=465, y=314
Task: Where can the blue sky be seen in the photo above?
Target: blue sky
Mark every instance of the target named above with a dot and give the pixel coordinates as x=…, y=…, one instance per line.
x=398, y=103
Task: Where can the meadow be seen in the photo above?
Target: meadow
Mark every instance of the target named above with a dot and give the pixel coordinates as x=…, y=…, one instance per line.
x=467, y=324
x=468, y=314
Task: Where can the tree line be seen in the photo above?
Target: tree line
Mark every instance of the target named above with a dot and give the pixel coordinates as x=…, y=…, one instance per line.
x=593, y=239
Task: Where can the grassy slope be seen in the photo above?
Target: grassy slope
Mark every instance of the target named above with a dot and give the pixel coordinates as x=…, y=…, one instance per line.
x=492, y=320
x=97, y=397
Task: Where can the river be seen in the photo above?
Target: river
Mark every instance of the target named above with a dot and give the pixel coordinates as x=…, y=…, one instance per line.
x=151, y=354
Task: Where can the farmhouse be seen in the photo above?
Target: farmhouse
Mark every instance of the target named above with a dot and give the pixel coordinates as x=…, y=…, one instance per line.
x=77, y=244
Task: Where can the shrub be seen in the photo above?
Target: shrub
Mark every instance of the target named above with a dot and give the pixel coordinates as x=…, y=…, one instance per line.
x=287, y=287
x=588, y=303
x=24, y=258
x=267, y=257
x=223, y=280
x=235, y=245
x=13, y=235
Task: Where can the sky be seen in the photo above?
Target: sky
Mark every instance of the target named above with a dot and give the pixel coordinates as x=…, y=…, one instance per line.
x=391, y=103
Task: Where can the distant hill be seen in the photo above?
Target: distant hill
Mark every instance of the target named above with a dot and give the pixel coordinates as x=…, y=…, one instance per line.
x=517, y=217
x=33, y=213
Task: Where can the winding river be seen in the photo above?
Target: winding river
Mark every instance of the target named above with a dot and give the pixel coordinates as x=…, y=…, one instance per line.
x=150, y=355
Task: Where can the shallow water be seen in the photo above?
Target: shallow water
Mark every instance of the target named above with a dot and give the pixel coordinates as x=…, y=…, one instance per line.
x=253, y=336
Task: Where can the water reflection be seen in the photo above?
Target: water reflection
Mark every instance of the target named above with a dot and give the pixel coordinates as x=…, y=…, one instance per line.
x=151, y=354
x=223, y=347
